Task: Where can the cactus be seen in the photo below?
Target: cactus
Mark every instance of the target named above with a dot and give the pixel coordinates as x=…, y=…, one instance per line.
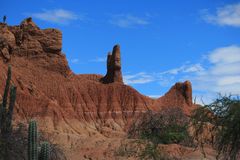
x=4, y=18
x=33, y=144
x=7, y=86
x=6, y=111
x=8, y=128
x=32, y=141
x=44, y=152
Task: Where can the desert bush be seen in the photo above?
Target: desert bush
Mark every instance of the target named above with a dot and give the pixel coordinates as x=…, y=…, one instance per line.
x=141, y=149
x=128, y=149
x=224, y=116
x=170, y=125
x=56, y=152
x=152, y=152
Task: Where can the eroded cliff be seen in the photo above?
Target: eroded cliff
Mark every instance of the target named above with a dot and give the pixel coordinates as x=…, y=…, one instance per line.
x=65, y=102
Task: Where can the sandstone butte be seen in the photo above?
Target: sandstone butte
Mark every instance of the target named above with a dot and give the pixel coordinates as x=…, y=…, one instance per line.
x=68, y=105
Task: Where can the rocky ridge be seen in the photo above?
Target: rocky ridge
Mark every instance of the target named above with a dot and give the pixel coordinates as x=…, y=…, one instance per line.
x=66, y=102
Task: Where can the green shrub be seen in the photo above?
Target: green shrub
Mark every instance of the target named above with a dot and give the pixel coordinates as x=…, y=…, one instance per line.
x=224, y=117
x=152, y=152
x=165, y=127
x=141, y=149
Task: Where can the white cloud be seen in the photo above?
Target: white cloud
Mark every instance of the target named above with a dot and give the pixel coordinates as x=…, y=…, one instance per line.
x=223, y=74
x=173, y=71
x=229, y=80
x=193, y=68
x=128, y=21
x=154, y=96
x=228, y=69
x=98, y=59
x=228, y=55
x=75, y=60
x=228, y=15
x=185, y=69
x=139, y=78
x=164, y=78
x=59, y=16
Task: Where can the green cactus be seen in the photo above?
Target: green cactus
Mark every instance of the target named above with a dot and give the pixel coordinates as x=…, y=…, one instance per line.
x=33, y=144
x=32, y=141
x=44, y=152
x=8, y=128
x=7, y=86
x=6, y=111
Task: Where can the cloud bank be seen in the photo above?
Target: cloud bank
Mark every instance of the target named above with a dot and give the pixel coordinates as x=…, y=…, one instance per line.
x=58, y=16
x=128, y=21
x=228, y=15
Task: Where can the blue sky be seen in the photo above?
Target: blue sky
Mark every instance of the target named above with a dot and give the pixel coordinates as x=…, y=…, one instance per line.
x=162, y=42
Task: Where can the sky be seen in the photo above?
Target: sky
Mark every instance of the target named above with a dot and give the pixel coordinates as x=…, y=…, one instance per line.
x=162, y=42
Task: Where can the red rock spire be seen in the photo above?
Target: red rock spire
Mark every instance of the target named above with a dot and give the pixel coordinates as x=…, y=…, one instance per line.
x=114, y=73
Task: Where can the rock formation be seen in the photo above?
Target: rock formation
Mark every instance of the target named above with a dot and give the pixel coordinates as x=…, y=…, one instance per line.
x=114, y=73
x=29, y=41
x=180, y=95
x=66, y=102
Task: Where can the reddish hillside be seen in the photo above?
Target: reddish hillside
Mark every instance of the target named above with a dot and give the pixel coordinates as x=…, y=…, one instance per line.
x=66, y=102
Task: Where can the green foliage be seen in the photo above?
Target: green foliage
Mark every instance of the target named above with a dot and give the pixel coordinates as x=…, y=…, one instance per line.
x=33, y=144
x=224, y=116
x=167, y=134
x=166, y=127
